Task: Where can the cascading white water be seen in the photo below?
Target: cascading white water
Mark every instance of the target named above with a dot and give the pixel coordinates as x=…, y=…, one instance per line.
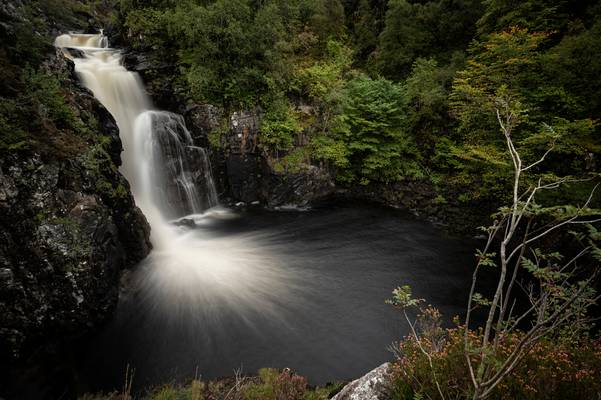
x=169, y=176
x=172, y=168
x=82, y=40
x=215, y=297
x=189, y=270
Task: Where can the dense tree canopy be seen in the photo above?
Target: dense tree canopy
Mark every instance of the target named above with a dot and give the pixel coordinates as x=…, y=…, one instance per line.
x=398, y=89
x=424, y=29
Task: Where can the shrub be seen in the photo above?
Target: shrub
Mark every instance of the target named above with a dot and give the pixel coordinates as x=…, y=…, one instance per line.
x=556, y=368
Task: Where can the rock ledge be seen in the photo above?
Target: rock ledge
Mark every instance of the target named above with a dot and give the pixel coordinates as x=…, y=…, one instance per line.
x=375, y=385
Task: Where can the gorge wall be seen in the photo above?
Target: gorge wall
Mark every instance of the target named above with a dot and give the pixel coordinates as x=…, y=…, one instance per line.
x=241, y=170
x=68, y=222
x=244, y=173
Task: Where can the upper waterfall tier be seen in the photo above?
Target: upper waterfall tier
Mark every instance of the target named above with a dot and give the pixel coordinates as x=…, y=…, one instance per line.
x=97, y=40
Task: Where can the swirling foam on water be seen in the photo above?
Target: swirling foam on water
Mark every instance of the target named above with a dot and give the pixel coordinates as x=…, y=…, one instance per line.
x=200, y=273
x=189, y=271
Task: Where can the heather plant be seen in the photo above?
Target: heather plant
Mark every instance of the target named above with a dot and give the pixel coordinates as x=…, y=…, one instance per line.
x=553, y=369
x=539, y=293
x=269, y=384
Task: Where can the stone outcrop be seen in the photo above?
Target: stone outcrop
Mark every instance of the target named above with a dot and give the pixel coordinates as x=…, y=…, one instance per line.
x=63, y=244
x=251, y=178
x=243, y=161
x=158, y=72
x=201, y=120
x=298, y=189
x=240, y=168
x=67, y=227
x=375, y=385
x=422, y=198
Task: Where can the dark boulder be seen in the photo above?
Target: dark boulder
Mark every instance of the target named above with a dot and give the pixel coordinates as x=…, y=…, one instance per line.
x=160, y=75
x=299, y=188
x=68, y=228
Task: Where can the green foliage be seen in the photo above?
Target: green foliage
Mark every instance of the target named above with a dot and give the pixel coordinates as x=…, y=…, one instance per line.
x=334, y=150
x=538, y=15
x=43, y=92
x=279, y=127
x=506, y=72
x=39, y=115
x=270, y=384
x=424, y=29
x=428, y=118
x=216, y=136
x=508, y=63
x=324, y=79
x=366, y=21
x=486, y=259
x=97, y=162
x=328, y=21
x=294, y=162
x=435, y=118
x=12, y=137
x=402, y=298
x=372, y=126
x=573, y=64
x=148, y=24
x=223, y=55
x=236, y=53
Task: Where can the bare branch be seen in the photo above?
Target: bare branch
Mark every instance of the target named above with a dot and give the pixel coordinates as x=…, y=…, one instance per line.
x=424, y=352
x=540, y=160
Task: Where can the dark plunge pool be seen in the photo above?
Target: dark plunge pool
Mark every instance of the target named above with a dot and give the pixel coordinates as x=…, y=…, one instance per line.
x=303, y=290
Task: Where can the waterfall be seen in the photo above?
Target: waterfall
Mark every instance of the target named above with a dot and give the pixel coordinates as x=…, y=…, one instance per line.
x=198, y=282
x=169, y=176
x=172, y=168
x=81, y=40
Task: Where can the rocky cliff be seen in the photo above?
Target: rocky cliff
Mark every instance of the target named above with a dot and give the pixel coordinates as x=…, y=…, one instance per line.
x=241, y=170
x=252, y=178
x=68, y=222
x=67, y=227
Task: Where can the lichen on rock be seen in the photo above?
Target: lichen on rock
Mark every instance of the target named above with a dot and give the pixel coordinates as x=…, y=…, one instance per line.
x=375, y=385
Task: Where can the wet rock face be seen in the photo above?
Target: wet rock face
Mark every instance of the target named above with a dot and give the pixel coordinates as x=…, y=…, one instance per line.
x=297, y=188
x=243, y=161
x=201, y=120
x=68, y=226
x=63, y=244
x=375, y=385
x=159, y=73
